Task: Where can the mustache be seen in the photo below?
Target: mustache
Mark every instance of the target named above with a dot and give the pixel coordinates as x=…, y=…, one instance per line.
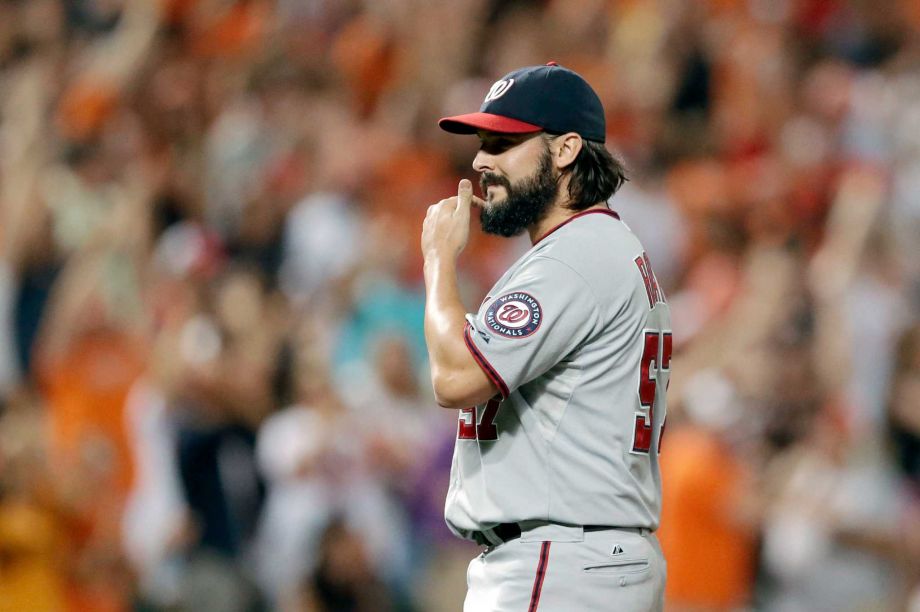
x=489, y=179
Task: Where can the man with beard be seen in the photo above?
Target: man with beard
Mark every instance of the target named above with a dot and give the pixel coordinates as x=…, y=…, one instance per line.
x=560, y=377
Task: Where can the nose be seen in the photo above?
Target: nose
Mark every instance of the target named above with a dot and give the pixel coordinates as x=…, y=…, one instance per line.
x=483, y=162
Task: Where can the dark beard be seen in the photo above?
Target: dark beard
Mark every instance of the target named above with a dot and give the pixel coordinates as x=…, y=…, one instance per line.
x=526, y=202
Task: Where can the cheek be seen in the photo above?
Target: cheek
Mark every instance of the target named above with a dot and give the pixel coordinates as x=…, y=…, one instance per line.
x=520, y=165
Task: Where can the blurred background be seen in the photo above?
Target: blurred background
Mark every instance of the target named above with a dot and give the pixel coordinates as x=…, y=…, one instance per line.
x=213, y=388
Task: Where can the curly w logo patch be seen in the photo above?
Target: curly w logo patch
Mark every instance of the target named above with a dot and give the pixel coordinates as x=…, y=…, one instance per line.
x=515, y=315
x=498, y=89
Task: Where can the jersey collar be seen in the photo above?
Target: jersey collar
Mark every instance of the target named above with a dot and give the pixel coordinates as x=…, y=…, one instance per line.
x=602, y=211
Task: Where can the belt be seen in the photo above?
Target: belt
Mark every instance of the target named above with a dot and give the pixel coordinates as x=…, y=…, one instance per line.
x=505, y=532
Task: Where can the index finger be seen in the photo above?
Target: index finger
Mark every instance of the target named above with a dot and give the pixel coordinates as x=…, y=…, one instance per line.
x=464, y=194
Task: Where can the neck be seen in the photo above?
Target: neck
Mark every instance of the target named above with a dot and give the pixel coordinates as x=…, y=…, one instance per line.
x=556, y=216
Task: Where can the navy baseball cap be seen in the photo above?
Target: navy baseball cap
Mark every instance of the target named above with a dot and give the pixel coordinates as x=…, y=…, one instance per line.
x=546, y=98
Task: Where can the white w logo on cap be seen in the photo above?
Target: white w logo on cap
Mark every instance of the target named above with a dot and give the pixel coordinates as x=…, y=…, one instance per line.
x=499, y=88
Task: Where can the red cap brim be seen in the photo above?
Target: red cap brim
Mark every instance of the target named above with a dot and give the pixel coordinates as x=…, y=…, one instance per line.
x=472, y=122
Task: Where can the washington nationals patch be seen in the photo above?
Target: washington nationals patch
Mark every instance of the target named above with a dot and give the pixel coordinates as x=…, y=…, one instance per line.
x=514, y=315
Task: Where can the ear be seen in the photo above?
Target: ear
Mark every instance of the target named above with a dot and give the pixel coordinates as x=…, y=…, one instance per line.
x=565, y=148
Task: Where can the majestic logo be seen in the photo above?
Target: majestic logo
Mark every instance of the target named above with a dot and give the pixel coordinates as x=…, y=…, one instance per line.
x=515, y=315
x=499, y=88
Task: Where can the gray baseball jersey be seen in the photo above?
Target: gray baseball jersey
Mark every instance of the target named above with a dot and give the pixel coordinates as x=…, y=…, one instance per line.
x=576, y=336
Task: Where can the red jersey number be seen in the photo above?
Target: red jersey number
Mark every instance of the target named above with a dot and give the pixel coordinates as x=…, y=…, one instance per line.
x=656, y=357
x=484, y=429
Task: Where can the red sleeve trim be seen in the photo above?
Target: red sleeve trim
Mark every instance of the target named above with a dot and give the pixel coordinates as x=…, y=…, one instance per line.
x=487, y=368
x=590, y=211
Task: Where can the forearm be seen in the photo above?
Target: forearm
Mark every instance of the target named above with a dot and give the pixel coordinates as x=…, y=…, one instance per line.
x=444, y=318
x=444, y=313
x=457, y=379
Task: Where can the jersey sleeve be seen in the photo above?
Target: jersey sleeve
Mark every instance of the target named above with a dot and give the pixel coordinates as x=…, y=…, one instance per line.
x=543, y=313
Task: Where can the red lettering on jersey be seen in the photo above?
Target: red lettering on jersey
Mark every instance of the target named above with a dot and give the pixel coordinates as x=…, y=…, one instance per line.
x=656, y=288
x=642, y=441
x=487, y=429
x=652, y=288
x=646, y=382
x=648, y=385
x=468, y=428
x=643, y=270
x=668, y=339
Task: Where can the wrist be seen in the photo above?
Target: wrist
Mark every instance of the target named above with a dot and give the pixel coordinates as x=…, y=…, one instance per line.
x=437, y=259
x=440, y=274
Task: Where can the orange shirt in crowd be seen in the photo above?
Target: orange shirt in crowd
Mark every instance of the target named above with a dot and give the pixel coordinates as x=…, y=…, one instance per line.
x=709, y=551
x=30, y=572
x=85, y=389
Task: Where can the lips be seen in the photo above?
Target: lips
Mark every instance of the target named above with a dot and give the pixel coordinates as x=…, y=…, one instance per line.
x=490, y=192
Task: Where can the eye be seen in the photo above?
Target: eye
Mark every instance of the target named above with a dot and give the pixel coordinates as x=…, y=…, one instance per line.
x=497, y=145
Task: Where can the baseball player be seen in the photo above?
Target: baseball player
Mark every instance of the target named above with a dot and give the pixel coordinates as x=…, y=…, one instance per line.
x=560, y=377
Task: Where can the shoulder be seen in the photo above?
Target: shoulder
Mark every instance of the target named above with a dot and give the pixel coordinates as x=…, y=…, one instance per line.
x=595, y=243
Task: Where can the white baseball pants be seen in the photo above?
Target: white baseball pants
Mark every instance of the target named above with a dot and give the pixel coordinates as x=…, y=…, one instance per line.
x=556, y=568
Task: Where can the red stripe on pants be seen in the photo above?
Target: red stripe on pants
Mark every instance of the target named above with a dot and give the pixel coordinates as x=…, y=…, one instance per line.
x=541, y=574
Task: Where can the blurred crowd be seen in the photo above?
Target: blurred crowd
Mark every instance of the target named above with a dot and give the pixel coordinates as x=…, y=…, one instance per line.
x=213, y=388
